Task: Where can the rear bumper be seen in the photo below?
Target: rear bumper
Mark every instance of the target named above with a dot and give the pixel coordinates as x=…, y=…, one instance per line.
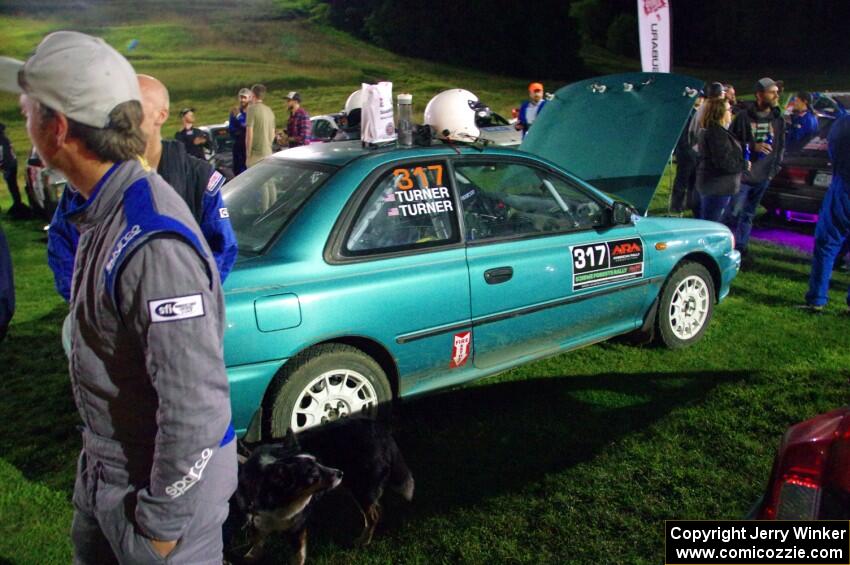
x=798, y=197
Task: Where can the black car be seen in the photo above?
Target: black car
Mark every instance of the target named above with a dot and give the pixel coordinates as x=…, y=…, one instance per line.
x=798, y=189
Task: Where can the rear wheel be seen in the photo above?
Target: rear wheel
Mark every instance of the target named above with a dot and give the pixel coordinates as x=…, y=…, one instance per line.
x=686, y=306
x=323, y=384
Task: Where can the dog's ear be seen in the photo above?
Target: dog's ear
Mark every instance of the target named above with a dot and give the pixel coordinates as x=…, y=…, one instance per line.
x=290, y=441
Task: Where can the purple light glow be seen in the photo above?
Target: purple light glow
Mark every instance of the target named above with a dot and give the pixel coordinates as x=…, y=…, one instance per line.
x=787, y=238
x=801, y=217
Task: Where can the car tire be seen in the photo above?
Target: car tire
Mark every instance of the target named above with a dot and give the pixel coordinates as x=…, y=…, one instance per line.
x=324, y=383
x=686, y=306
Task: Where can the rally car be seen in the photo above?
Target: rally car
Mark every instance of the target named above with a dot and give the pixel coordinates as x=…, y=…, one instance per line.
x=371, y=274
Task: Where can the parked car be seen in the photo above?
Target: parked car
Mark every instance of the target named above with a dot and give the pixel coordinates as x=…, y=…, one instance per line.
x=219, y=148
x=498, y=130
x=43, y=186
x=796, y=192
x=798, y=189
x=810, y=479
x=324, y=127
x=371, y=274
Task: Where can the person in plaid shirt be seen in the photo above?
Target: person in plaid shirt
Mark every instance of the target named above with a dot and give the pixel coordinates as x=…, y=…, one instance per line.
x=298, y=127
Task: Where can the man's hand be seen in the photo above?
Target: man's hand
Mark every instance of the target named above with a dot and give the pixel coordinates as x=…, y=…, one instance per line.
x=764, y=148
x=163, y=548
x=199, y=140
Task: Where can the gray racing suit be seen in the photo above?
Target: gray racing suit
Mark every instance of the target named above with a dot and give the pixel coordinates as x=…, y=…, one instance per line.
x=147, y=372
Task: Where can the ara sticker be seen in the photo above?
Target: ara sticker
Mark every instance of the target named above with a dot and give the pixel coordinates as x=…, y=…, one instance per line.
x=595, y=264
x=461, y=349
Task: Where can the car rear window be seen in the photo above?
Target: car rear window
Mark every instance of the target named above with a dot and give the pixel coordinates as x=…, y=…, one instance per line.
x=262, y=200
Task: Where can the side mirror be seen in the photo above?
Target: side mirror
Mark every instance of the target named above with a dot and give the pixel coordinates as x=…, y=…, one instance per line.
x=621, y=213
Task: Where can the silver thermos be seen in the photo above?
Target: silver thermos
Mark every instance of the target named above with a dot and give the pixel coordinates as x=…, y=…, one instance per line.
x=405, y=120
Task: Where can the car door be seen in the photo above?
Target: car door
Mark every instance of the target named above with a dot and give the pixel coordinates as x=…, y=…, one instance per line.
x=404, y=248
x=542, y=271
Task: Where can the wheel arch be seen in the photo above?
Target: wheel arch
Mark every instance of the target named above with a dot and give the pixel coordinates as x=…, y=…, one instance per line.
x=369, y=346
x=711, y=266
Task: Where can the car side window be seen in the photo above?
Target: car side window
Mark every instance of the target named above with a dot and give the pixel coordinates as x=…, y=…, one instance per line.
x=409, y=207
x=509, y=199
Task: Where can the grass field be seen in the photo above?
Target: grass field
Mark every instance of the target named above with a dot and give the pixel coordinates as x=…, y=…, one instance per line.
x=575, y=459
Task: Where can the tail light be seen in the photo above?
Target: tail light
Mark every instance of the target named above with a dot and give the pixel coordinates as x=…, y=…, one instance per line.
x=812, y=465
x=796, y=175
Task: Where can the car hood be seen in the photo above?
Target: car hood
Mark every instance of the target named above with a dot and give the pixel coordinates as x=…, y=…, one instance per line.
x=504, y=136
x=615, y=131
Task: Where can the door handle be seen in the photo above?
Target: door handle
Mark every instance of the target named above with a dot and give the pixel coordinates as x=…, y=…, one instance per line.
x=498, y=275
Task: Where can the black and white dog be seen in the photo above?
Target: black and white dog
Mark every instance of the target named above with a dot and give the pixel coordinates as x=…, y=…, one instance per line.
x=279, y=483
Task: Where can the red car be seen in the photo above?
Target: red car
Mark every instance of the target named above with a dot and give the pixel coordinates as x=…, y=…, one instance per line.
x=811, y=474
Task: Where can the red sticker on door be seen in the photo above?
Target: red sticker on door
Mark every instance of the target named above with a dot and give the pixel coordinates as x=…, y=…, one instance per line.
x=461, y=349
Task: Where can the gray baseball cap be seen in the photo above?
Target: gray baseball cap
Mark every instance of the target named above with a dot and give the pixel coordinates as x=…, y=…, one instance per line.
x=764, y=84
x=73, y=73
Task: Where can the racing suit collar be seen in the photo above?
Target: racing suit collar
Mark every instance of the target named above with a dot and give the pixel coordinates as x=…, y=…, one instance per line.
x=89, y=211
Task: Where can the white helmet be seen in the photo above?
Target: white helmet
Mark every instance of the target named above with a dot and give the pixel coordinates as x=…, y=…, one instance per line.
x=452, y=114
x=354, y=102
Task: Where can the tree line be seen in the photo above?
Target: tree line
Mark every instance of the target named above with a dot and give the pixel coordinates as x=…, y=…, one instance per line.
x=543, y=39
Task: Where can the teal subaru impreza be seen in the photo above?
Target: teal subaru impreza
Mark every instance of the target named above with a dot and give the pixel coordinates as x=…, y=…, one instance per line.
x=370, y=274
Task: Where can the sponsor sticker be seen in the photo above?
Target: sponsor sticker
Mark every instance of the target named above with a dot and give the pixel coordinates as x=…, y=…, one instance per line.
x=179, y=308
x=215, y=182
x=461, y=348
x=596, y=264
x=417, y=194
x=223, y=213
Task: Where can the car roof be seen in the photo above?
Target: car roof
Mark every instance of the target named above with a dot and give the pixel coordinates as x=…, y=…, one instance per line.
x=340, y=153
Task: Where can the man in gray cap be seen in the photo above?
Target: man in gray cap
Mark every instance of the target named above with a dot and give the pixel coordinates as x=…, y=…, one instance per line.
x=158, y=463
x=761, y=127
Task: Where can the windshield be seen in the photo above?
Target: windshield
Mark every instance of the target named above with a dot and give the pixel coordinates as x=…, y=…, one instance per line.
x=261, y=200
x=491, y=120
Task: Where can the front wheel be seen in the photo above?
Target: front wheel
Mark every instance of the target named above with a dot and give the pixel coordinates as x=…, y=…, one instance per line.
x=323, y=384
x=686, y=306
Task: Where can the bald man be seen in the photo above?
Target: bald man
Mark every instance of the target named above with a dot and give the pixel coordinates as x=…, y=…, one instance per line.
x=195, y=180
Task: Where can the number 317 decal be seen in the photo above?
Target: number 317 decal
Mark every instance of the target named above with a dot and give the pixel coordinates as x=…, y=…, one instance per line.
x=605, y=262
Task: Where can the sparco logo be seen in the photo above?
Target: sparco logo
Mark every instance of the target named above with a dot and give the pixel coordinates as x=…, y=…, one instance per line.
x=192, y=477
x=122, y=243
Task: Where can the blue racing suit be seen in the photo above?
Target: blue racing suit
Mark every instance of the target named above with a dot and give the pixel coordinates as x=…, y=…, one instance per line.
x=197, y=183
x=802, y=127
x=833, y=226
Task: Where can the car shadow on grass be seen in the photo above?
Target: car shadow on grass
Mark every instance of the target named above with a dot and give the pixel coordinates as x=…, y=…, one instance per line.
x=38, y=418
x=466, y=446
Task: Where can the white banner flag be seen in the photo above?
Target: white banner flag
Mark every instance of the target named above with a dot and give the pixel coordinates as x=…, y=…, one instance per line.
x=654, y=24
x=376, y=124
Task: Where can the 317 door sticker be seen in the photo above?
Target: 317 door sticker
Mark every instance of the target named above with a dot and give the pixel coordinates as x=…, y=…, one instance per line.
x=595, y=264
